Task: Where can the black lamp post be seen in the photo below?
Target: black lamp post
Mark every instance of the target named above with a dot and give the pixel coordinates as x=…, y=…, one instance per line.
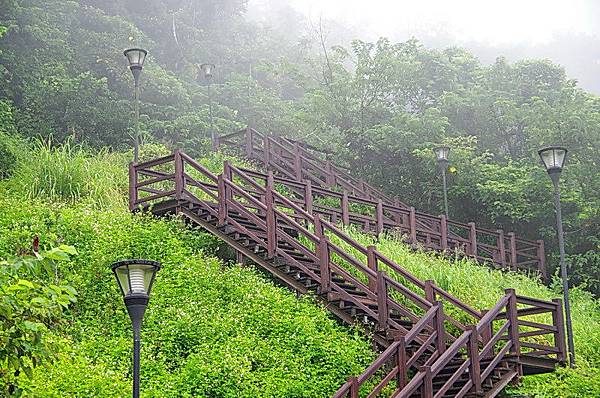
x=441, y=153
x=136, y=58
x=553, y=158
x=135, y=278
x=208, y=69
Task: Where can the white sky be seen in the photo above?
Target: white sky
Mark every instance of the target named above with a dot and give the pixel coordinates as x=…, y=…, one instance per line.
x=495, y=22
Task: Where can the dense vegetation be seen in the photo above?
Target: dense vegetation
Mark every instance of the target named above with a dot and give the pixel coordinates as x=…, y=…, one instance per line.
x=382, y=105
x=212, y=330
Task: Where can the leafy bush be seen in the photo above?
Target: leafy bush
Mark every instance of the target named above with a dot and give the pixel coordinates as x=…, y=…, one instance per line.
x=31, y=303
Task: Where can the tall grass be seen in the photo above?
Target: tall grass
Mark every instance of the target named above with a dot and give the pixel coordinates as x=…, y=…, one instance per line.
x=70, y=173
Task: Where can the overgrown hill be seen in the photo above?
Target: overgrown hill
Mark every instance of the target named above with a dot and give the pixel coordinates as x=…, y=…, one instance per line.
x=211, y=330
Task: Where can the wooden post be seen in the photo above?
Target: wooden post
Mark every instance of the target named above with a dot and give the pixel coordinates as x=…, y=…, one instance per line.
x=430, y=291
x=473, y=239
x=133, y=193
x=297, y=162
x=323, y=255
x=397, y=215
x=443, y=232
x=266, y=150
x=345, y=209
x=353, y=387
x=270, y=219
x=228, y=175
x=473, y=353
x=513, y=251
x=413, y=225
x=329, y=178
x=501, y=248
x=428, y=383
x=439, y=328
x=382, y=301
x=249, y=143
x=221, y=188
x=559, y=335
x=402, y=375
x=372, y=264
x=486, y=333
x=379, y=212
x=179, y=182
x=308, y=197
x=541, y=256
x=512, y=317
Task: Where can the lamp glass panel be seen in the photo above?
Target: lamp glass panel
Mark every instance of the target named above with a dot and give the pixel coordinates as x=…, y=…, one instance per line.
x=123, y=279
x=135, y=278
x=559, y=157
x=141, y=57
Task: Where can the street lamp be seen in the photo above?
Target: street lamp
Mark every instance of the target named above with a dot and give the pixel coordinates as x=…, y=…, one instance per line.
x=136, y=58
x=208, y=70
x=441, y=153
x=135, y=278
x=553, y=158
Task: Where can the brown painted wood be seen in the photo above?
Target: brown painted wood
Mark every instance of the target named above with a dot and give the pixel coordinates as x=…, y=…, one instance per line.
x=270, y=214
x=345, y=209
x=372, y=264
x=513, y=330
x=559, y=335
x=473, y=354
x=133, y=192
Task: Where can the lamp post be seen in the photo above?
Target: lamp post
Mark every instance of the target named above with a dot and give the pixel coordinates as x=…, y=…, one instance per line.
x=553, y=158
x=135, y=278
x=136, y=58
x=441, y=154
x=208, y=69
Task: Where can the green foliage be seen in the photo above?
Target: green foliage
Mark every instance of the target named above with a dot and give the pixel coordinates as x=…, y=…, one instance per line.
x=32, y=302
x=69, y=173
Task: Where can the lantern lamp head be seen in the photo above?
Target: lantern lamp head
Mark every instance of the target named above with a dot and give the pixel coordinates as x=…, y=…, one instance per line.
x=208, y=70
x=135, y=57
x=553, y=157
x=135, y=277
x=441, y=153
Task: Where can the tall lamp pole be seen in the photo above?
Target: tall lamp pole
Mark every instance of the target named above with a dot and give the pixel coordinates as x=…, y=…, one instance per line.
x=136, y=58
x=208, y=69
x=441, y=154
x=135, y=278
x=553, y=158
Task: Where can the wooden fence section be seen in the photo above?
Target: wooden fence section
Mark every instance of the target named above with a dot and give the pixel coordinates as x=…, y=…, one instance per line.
x=428, y=351
x=358, y=203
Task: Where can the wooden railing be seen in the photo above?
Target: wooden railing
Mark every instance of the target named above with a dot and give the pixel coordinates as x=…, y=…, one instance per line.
x=359, y=203
x=433, y=339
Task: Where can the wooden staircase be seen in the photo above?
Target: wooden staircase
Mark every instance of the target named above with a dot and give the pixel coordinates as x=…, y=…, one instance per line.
x=361, y=204
x=426, y=352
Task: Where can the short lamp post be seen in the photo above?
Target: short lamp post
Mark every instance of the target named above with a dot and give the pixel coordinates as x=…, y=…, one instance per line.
x=135, y=278
x=207, y=70
x=441, y=154
x=553, y=158
x=136, y=58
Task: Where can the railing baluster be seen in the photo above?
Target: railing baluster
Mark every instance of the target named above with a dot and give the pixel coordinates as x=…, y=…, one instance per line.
x=382, y=301
x=513, y=251
x=308, y=197
x=372, y=264
x=473, y=239
x=402, y=375
x=297, y=162
x=428, y=383
x=541, y=256
x=379, y=211
x=345, y=209
x=353, y=387
x=473, y=353
x=179, y=180
x=559, y=335
x=222, y=188
x=323, y=256
x=271, y=223
x=512, y=317
x=413, y=225
x=443, y=233
x=501, y=248
x=430, y=291
x=249, y=143
x=439, y=328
